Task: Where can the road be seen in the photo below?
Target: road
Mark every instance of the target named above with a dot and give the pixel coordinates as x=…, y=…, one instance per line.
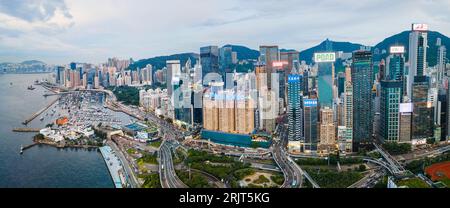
x=168, y=176
x=130, y=174
x=292, y=174
x=423, y=153
x=370, y=179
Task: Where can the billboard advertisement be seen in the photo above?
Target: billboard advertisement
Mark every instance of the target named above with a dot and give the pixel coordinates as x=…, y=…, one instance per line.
x=310, y=102
x=419, y=27
x=279, y=63
x=406, y=108
x=294, y=77
x=397, y=49
x=324, y=57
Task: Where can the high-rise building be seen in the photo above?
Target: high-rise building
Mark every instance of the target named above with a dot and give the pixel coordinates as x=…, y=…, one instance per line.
x=234, y=58
x=405, y=122
x=448, y=112
x=381, y=70
x=227, y=111
x=245, y=114
x=341, y=83
x=288, y=59
x=269, y=55
x=268, y=109
x=311, y=119
x=294, y=109
x=60, y=75
x=345, y=138
x=173, y=70
x=396, y=66
x=226, y=59
x=362, y=73
x=209, y=59
x=441, y=55
x=327, y=131
x=325, y=83
x=418, y=43
x=389, y=110
x=423, y=111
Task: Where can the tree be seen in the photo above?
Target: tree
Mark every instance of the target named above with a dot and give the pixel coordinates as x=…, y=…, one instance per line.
x=255, y=145
x=362, y=168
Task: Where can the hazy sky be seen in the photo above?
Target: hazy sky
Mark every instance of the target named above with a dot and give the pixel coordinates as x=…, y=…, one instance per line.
x=60, y=31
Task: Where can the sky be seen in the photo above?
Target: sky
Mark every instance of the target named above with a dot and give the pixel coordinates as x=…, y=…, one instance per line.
x=61, y=31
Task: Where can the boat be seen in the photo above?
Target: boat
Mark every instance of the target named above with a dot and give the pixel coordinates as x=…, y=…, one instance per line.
x=31, y=87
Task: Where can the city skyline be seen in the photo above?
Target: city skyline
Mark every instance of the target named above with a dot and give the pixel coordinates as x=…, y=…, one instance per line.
x=60, y=31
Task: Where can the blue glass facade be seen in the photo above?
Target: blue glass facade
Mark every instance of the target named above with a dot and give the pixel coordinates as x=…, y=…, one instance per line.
x=362, y=73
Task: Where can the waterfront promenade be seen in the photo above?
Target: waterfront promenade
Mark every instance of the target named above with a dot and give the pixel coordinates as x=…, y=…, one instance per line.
x=114, y=166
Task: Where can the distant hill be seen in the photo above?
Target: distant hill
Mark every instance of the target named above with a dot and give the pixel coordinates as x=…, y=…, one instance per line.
x=244, y=52
x=33, y=62
x=347, y=47
x=159, y=62
x=403, y=39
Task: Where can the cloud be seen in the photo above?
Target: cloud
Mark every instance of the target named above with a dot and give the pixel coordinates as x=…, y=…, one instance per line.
x=34, y=10
x=92, y=31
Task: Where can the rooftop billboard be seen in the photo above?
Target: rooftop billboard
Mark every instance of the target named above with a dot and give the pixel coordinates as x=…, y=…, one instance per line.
x=419, y=27
x=324, y=57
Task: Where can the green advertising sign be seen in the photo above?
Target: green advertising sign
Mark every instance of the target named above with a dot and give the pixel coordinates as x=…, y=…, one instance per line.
x=324, y=57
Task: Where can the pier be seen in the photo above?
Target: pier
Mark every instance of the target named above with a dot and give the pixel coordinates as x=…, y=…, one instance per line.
x=23, y=148
x=32, y=117
x=26, y=130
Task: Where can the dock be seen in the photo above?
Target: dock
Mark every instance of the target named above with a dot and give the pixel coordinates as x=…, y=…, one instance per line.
x=32, y=117
x=23, y=148
x=114, y=166
x=26, y=130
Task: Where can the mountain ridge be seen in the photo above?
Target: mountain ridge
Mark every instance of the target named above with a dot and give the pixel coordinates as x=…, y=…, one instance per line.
x=244, y=52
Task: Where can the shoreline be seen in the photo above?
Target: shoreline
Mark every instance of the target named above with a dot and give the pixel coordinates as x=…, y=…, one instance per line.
x=59, y=146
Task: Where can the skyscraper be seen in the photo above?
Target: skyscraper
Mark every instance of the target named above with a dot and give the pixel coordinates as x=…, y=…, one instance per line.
x=173, y=70
x=269, y=55
x=405, y=122
x=345, y=138
x=418, y=44
x=226, y=59
x=289, y=58
x=327, y=133
x=311, y=119
x=60, y=79
x=209, y=59
x=423, y=111
x=325, y=83
x=389, y=110
x=396, y=66
x=362, y=73
x=441, y=54
x=295, y=112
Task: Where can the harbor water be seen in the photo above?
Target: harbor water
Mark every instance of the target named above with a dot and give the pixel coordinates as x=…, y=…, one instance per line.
x=41, y=165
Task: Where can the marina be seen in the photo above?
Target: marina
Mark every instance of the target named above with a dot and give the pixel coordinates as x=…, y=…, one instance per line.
x=32, y=117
